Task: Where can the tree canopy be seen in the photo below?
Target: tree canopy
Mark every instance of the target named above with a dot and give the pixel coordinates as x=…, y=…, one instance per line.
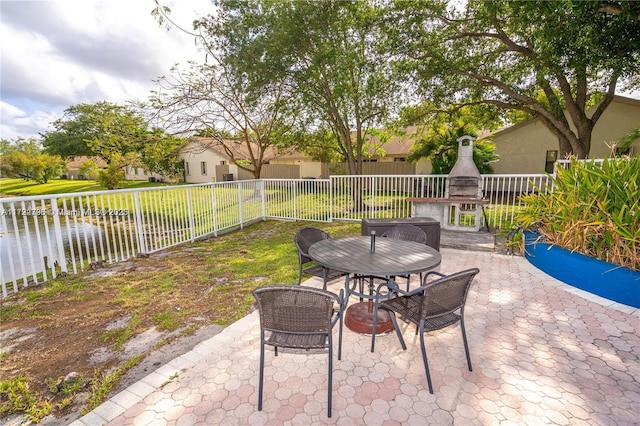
x=506, y=53
x=24, y=159
x=113, y=132
x=328, y=53
x=348, y=67
x=208, y=101
x=95, y=130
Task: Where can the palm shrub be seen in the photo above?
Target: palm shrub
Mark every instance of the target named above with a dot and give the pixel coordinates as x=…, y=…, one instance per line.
x=593, y=209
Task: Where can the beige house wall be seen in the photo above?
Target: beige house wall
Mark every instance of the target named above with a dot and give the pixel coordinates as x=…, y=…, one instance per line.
x=138, y=173
x=523, y=147
x=618, y=120
x=194, y=170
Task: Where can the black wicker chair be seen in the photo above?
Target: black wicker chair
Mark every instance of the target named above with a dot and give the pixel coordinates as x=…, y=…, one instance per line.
x=304, y=238
x=299, y=318
x=434, y=305
x=407, y=232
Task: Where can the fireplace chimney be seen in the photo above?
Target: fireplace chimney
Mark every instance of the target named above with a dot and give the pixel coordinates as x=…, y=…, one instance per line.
x=464, y=180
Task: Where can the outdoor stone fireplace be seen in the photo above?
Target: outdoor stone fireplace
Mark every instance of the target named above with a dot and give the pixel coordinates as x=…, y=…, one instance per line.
x=461, y=207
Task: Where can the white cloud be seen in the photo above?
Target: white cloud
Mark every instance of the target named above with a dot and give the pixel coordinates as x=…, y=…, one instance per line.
x=17, y=123
x=63, y=52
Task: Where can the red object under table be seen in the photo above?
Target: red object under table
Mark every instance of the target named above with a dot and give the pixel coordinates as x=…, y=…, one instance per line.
x=365, y=256
x=359, y=318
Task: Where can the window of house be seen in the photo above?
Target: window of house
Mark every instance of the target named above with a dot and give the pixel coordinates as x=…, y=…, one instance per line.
x=186, y=169
x=552, y=156
x=400, y=159
x=203, y=167
x=223, y=162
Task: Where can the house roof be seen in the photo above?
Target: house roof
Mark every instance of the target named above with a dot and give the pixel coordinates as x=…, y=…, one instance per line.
x=76, y=162
x=397, y=145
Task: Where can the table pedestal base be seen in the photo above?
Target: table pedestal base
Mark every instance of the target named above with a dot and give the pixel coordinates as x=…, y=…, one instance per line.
x=359, y=318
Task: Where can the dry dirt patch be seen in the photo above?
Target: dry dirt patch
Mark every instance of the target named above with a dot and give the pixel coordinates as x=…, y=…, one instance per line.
x=159, y=306
x=68, y=333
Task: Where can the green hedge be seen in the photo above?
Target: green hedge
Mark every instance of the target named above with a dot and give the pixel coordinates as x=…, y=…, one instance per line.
x=594, y=209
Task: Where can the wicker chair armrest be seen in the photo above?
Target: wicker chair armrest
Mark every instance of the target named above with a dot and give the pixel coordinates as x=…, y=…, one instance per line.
x=428, y=274
x=418, y=290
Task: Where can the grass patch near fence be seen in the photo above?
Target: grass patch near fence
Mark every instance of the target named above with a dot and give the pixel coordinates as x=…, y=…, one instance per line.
x=21, y=187
x=57, y=327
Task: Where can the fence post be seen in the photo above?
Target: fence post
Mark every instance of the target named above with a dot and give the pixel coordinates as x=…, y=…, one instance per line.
x=142, y=241
x=331, y=198
x=214, y=209
x=372, y=191
x=58, y=234
x=260, y=186
x=240, y=205
x=294, y=197
x=12, y=212
x=192, y=222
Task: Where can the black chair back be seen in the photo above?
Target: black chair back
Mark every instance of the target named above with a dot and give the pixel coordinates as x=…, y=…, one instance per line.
x=305, y=238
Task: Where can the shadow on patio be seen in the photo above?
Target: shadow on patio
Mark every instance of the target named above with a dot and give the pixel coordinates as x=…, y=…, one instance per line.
x=542, y=353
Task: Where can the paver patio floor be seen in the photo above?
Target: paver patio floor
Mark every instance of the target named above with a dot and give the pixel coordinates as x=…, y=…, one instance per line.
x=542, y=353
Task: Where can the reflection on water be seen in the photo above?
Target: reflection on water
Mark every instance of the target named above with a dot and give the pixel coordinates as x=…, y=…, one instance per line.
x=25, y=249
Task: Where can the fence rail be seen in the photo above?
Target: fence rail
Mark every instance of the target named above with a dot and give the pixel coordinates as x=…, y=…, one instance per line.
x=44, y=236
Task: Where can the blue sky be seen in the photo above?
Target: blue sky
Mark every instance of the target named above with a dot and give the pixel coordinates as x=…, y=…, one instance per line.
x=58, y=53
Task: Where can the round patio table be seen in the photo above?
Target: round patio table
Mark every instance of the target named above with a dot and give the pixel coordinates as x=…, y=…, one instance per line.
x=381, y=258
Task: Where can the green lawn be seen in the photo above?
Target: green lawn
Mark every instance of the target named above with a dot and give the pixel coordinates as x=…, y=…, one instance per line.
x=20, y=187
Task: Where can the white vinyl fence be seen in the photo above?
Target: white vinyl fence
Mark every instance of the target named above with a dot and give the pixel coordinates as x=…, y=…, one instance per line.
x=44, y=236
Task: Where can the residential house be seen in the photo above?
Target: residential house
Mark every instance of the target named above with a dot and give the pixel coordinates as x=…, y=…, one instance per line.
x=73, y=166
x=130, y=173
x=205, y=160
x=139, y=173
x=529, y=147
x=202, y=159
x=391, y=159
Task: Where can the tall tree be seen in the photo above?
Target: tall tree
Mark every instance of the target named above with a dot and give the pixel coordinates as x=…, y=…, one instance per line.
x=504, y=53
x=110, y=131
x=31, y=147
x=159, y=154
x=328, y=53
x=208, y=101
x=95, y=130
